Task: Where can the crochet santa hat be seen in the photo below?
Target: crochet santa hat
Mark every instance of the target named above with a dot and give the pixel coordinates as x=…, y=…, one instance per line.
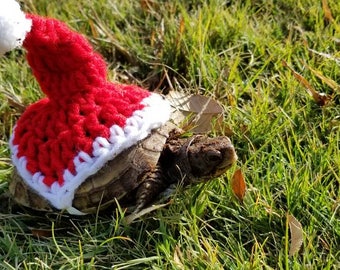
x=84, y=121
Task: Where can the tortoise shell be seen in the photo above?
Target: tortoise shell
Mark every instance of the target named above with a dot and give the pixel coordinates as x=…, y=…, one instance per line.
x=141, y=172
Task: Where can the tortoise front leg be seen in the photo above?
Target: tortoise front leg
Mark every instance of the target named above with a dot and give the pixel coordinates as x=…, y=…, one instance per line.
x=152, y=185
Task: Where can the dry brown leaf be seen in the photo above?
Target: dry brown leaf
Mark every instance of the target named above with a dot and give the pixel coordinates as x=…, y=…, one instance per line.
x=181, y=29
x=41, y=233
x=327, y=11
x=320, y=98
x=238, y=185
x=46, y=232
x=194, y=111
x=331, y=83
x=296, y=234
x=94, y=30
x=147, y=5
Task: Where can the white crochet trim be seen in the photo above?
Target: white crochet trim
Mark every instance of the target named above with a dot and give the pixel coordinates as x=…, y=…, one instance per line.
x=13, y=25
x=155, y=113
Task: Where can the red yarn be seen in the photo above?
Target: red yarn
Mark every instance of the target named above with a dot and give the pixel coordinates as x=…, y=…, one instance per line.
x=62, y=60
x=80, y=105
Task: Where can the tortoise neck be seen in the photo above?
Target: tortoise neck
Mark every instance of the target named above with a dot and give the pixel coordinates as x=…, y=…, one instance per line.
x=177, y=168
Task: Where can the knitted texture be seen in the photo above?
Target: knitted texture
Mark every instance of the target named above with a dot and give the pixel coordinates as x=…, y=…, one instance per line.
x=83, y=122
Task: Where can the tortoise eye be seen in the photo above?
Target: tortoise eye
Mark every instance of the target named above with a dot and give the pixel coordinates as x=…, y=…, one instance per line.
x=214, y=156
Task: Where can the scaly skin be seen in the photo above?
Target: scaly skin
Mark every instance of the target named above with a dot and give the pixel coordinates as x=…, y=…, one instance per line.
x=187, y=161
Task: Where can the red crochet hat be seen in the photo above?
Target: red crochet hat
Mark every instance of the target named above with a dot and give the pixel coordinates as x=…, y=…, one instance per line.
x=84, y=121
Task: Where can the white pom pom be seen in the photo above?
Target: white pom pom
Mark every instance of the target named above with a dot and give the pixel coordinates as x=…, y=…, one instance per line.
x=13, y=25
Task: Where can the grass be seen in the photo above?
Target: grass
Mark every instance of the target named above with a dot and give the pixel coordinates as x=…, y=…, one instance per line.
x=288, y=146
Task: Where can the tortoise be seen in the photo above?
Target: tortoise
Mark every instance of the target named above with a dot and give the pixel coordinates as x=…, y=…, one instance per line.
x=89, y=141
x=137, y=175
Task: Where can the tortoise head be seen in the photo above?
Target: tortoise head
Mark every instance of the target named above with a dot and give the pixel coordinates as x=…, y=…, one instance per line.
x=209, y=157
x=198, y=158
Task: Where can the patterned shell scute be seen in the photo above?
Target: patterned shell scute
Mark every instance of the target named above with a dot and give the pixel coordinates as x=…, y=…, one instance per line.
x=123, y=174
x=118, y=178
